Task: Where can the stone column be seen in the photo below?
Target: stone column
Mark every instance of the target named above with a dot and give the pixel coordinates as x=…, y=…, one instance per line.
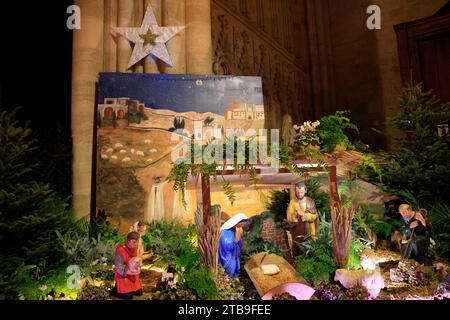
x=110, y=41
x=138, y=17
x=198, y=37
x=173, y=14
x=329, y=42
x=317, y=102
x=125, y=19
x=326, y=57
x=149, y=65
x=323, y=56
x=86, y=64
x=321, y=67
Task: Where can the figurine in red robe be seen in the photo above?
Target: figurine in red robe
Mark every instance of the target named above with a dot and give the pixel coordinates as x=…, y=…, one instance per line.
x=127, y=270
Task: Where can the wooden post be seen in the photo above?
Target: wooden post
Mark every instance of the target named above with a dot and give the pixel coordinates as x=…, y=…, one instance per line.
x=332, y=179
x=206, y=198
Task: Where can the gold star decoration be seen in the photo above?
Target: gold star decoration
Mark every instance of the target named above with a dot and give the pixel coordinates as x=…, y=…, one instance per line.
x=149, y=37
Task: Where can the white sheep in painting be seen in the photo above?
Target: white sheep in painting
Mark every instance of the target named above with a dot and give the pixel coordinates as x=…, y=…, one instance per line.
x=118, y=145
x=132, y=151
x=140, y=153
x=110, y=150
x=126, y=159
x=113, y=157
x=104, y=156
x=123, y=151
x=153, y=151
x=147, y=141
x=149, y=160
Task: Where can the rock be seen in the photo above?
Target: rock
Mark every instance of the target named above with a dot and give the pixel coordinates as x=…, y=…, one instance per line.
x=414, y=273
x=331, y=292
x=408, y=266
x=348, y=278
x=442, y=269
x=284, y=296
x=372, y=280
x=358, y=293
x=409, y=271
x=444, y=287
x=299, y=291
x=396, y=275
x=419, y=278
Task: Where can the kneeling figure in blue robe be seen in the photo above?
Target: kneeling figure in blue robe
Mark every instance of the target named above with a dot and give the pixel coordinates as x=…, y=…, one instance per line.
x=230, y=244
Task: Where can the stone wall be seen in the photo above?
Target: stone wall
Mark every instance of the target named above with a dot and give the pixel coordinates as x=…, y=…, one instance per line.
x=270, y=232
x=366, y=65
x=268, y=39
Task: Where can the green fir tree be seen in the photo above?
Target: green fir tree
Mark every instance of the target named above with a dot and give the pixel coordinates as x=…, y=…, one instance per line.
x=30, y=211
x=419, y=162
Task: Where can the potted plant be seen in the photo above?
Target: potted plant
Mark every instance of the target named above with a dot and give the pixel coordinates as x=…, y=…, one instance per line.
x=331, y=132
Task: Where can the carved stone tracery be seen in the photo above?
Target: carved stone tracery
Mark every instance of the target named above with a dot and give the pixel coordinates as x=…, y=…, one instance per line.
x=244, y=44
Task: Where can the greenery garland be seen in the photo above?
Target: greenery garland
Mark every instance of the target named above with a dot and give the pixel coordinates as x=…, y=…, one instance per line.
x=181, y=171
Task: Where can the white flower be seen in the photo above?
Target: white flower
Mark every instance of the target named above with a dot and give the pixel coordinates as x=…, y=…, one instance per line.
x=308, y=126
x=43, y=287
x=93, y=263
x=433, y=243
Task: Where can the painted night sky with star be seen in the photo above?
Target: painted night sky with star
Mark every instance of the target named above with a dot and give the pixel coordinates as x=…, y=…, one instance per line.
x=181, y=93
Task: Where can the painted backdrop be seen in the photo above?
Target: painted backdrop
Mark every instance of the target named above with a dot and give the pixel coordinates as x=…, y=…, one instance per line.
x=137, y=115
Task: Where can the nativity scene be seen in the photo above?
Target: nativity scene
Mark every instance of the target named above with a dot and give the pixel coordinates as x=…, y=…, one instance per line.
x=237, y=150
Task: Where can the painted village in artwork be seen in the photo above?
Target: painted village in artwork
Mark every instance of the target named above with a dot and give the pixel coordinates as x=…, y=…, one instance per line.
x=138, y=131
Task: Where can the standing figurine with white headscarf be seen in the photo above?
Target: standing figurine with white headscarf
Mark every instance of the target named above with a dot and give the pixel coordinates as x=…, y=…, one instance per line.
x=230, y=244
x=139, y=227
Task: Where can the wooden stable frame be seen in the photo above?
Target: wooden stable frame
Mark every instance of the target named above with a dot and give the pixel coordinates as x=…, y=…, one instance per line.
x=330, y=168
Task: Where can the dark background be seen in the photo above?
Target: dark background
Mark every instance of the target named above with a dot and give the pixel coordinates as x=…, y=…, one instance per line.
x=36, y=71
